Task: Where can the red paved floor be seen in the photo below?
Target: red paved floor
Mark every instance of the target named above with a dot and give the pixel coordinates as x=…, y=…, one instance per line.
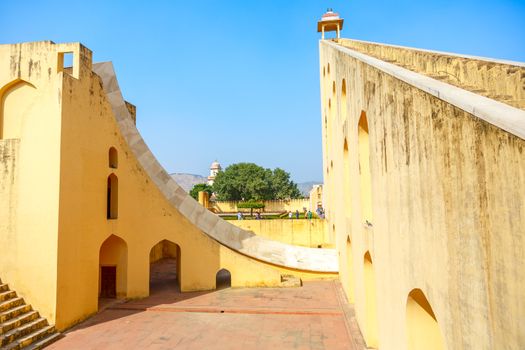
x=309, y=317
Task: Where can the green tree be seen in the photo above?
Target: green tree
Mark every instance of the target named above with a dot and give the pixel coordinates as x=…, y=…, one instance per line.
x=282, y=187
x=250, y=182
x=251, y=205
x=194, y=192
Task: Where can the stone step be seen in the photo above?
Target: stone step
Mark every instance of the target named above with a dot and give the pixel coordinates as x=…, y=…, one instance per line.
x=290, y=281
x=18, y=321
x=11, y=303
x=44, y=342
x=31, y=338
x=22, y=331
x=6, y=295
x=9, y=314
x=3, y=287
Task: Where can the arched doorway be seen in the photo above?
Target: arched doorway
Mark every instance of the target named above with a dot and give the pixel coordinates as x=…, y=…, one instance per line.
x=364, y=169
x=113, y=267
x=371, y=333
x=223, y=279
x=350, y=270
x=16, y=100
x=165, y=267
x=346, y=180
x=422, y=327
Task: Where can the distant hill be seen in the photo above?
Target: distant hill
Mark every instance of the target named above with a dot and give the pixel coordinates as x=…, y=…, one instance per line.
x=306, y=187
x=187, y=181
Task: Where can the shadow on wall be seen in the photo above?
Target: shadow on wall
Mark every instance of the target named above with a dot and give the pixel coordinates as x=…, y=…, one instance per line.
x=371, y=333
x=422, y=327
x=16, y=99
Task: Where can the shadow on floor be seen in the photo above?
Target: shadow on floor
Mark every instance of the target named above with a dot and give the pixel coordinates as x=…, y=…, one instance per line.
x=164, y=290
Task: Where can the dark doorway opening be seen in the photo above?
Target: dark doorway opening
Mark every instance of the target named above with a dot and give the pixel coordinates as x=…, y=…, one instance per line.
x=108, y=281
x=165, y=268
x=223, y=279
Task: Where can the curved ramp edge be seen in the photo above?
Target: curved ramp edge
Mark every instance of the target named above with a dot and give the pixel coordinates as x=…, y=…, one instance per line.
x=233, y=237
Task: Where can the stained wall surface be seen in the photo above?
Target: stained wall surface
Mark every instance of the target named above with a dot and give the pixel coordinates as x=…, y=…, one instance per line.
x=433, y=197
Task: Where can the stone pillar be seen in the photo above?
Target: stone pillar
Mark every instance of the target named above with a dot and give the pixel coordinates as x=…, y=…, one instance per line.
x=204, y=199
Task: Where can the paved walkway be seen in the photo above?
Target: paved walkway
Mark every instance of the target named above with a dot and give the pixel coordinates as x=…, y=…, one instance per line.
x=310, y=317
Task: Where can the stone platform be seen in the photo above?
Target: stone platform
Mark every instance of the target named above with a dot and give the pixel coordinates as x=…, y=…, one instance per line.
x=315, y=316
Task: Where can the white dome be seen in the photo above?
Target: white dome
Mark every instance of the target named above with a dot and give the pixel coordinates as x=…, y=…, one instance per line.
x=215, y=165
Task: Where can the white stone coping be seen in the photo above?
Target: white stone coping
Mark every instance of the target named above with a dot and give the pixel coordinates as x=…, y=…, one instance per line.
x=444, y=53
x=494, y=112
x=244, y=242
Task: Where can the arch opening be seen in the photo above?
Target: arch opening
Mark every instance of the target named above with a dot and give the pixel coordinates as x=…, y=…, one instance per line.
x=422, y=327
x=112, y=197
x=16, y=101
x=165, y=267
x=365, y=178
x=223, y=279
x=113, y=158
x=350, y=271
x=113, y=267
x=346, y=180
x=371, y=333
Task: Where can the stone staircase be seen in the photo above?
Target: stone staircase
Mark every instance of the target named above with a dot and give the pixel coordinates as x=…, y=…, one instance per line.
x=20, y=326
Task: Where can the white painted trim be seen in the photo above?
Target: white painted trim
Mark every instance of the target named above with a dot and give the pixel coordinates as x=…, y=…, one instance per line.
x=494, y=112
x=444, y=53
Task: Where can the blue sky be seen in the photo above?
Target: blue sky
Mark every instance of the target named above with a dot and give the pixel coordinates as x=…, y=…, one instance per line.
x=238, y=80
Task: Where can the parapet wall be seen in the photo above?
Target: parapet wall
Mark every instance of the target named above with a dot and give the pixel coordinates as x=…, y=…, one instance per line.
x=307, y=233
x=269, y=206
x=500, y=80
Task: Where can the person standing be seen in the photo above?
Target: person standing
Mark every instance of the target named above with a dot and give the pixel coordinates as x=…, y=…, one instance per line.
x=290, y=215
x=297, y=214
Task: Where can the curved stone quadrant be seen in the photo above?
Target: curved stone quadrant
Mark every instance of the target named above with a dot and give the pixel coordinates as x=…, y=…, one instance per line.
x=244, y=242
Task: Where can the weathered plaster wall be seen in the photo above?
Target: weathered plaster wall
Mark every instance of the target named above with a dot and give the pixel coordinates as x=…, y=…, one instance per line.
x=30, y=94
x=8, y=190
x=447, y=193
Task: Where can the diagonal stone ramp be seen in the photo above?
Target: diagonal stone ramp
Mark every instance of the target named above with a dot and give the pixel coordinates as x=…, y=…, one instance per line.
x=241, y=241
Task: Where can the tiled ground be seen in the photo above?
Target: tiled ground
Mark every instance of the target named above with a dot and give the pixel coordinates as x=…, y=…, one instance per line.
x=310, y=317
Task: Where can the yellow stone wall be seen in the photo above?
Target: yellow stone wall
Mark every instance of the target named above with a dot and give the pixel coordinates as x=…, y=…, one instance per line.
x=307, y=233
x=29, y=95
x=270, y=206
x=443, y=193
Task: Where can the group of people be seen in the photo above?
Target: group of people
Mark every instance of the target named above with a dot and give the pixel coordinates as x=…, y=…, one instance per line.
x=240, y=216
x=307, y=214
